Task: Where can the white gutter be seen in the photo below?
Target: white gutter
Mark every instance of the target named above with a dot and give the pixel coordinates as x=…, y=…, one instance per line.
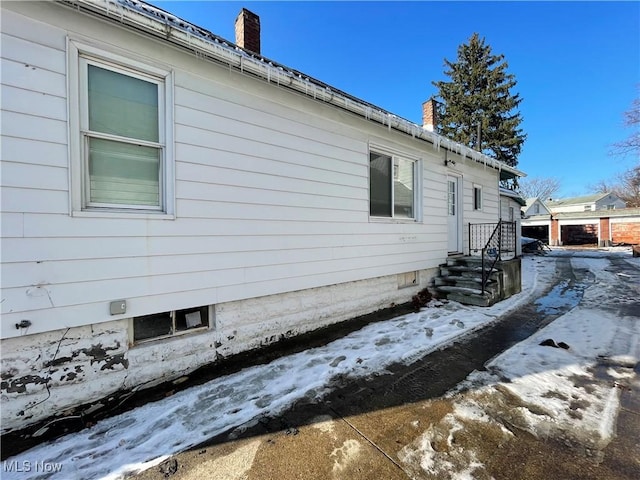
x=162, y=24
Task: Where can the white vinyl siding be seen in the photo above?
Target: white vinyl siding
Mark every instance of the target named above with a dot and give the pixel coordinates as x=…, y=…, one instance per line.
x=270, y=190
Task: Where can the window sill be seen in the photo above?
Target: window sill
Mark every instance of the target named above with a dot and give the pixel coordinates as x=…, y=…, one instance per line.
x=169, y=338
x=392, y=220
x=122, y=214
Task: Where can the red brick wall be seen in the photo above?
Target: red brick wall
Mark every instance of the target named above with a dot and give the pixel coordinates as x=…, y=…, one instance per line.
x=555, y=227
x=604, y=231
x=626, y=233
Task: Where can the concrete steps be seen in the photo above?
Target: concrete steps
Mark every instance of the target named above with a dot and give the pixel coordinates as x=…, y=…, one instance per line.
x=460, y=280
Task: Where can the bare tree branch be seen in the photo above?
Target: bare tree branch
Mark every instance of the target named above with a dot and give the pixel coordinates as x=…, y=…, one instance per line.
x=631, y=145
x=540, y=187
x=626, y=185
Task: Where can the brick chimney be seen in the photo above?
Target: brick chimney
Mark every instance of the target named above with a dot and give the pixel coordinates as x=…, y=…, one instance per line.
x=248, y=31
x=430, y=115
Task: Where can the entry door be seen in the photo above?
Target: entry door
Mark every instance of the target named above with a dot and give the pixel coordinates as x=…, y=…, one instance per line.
x=453, y=203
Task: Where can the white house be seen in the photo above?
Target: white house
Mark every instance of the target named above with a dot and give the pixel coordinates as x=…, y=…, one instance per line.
x=169, y=199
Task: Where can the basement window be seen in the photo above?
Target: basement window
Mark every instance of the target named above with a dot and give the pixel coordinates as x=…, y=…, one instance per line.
x=168, y=324
x=408, y=279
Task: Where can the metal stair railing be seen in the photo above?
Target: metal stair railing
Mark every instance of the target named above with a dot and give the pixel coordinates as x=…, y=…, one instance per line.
x=501, y=239
x=492, y=249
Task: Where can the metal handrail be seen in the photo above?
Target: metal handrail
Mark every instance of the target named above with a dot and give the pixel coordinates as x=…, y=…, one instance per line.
x=501, y=236
x=485, y=249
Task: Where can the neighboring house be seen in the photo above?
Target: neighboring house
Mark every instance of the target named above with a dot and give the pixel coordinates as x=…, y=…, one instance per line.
x=534, y=207
x=588, y=203
x=600, y=219
x=170, y=199
x=536, y=219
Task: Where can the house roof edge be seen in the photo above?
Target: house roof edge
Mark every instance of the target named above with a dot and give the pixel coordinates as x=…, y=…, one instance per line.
x=162, y=24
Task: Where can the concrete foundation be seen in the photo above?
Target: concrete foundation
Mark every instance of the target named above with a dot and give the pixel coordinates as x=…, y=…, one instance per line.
x=511, y=277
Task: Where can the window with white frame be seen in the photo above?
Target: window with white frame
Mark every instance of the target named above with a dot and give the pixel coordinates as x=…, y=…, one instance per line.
x=392, y=186
x=477, y=197
x=168, y=324
x=121, y=133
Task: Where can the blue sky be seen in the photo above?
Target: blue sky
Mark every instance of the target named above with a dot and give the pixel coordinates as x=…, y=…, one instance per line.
x=577, y=64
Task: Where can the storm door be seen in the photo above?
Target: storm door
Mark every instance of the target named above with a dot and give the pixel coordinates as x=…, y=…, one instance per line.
x=453, y=215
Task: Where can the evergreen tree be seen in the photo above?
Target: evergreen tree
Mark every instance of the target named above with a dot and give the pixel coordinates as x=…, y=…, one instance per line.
x=478, y=102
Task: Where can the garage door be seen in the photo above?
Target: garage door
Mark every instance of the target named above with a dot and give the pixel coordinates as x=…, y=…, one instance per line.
x=539, y=232
x=579, y=234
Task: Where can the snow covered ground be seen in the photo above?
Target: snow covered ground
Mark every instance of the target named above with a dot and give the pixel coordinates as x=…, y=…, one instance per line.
x=568, y=394
x=542, y=376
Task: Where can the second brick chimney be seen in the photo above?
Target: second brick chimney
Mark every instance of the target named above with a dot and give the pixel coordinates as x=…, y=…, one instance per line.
x=430, y=115
x=248, y=31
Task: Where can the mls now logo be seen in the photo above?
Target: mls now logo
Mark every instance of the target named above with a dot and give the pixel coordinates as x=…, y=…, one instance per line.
x=28, y=466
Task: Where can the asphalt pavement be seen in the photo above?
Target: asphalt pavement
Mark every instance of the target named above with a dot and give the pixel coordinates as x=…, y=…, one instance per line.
x=362, y=428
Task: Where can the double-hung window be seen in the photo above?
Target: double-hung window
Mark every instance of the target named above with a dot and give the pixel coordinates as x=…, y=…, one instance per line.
x=392, y=186
x=121, y=134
